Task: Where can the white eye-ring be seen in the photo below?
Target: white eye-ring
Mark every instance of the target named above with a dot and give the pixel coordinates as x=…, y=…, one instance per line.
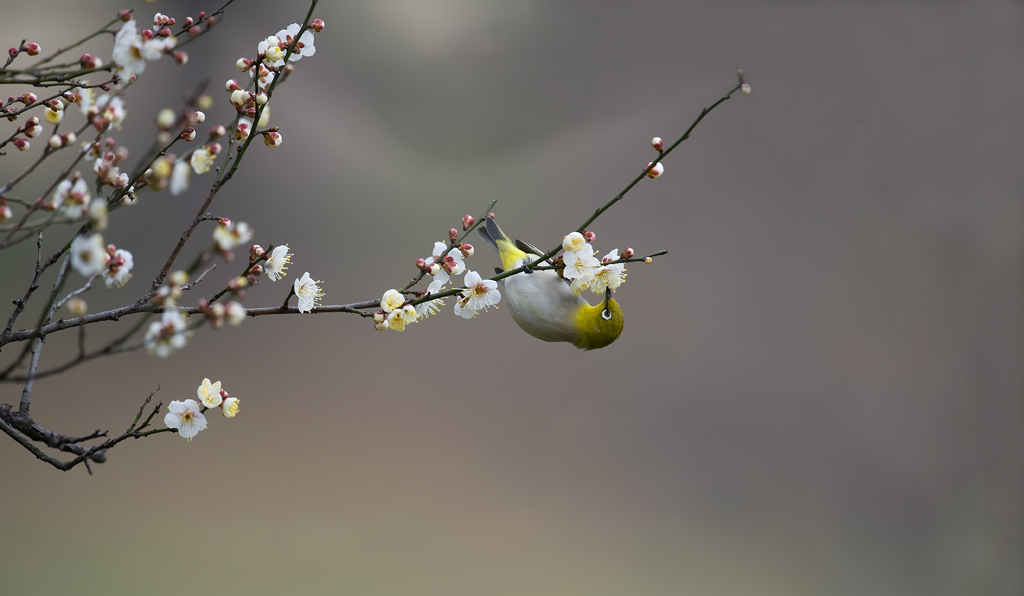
x=606, y=315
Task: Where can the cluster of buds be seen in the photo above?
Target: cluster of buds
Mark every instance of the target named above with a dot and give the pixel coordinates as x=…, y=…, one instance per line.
x=32, y=49
x=31, y=130
x=107, y=166
x=62, y=140
x=217, y=314
x=394, y=313
x=170, y=292
x=245, y=102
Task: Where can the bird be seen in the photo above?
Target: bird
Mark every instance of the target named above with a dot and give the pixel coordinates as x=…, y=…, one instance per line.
x=542, y=303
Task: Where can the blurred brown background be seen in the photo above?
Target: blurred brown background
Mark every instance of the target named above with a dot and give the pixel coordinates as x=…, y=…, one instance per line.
x=818, y=391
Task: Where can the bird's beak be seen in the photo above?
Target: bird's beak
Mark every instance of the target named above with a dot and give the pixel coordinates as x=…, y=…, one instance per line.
x=607, y=296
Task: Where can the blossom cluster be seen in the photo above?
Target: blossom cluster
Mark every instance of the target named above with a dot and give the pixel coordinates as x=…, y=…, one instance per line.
x=446, y=262
x=585, y=271
x=188, y=416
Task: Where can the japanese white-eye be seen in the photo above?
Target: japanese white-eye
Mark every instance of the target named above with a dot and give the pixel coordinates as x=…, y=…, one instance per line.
x=542, y=303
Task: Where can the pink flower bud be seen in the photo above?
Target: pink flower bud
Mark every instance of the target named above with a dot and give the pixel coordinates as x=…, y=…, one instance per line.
x=628, y=253
x=68, y=138
x=12, y=52
x=589, y=236
x=648, y=260
x=658, y=144
x=189, y=134
x=256, y=270
x=468, y=221
x=28, y=99
x=433, y=269
x=188, y=22
x=180, y=57
x=56, y=142
x=193, y=31
x=147, y=34
x=164, y=32
x=466, y=249
x=21, y=144
x=125, y=15
x=223, y=221
x=231, y=85
x=272, y=139
x=317, y=25
x=256, y=253
x=453, y=235
x=6, y=213
x=33, y=49
x=243, y=64
x=379, y=317
x=218, y=131
x=421, y=264
x=198, y=117
x=656, y=171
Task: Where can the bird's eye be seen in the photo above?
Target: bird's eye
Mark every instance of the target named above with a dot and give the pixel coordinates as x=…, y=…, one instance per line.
x=606, y=315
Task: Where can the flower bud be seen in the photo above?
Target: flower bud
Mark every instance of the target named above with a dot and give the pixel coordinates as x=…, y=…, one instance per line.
x=468, y=221
x=188, y=22
x=180, y=57
x=656, y=171
x=379, y=317
x=272, y=139
x=22, y=145
x=218, y=131
x=466, y=249
x=229, y=407
x=256, y=270
x=433, y=269
x=628, y=253
x=77, y=307
x=317, y=25
x=256, y=253
x=382, y=326
x=243, y=64
x=745, y=88
x=589, y=236
x=56, y=142
x=198, y=117
x=189, y=134
x=29, y=99
x=33, y=49
x=239, y=98
x=165, y=119
x=261, y=98
x=231, y=85
x=13, y=52
x=658, y=144
x=421, y=264
x=453, y=235
x=68, y=138
x=648, y=260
